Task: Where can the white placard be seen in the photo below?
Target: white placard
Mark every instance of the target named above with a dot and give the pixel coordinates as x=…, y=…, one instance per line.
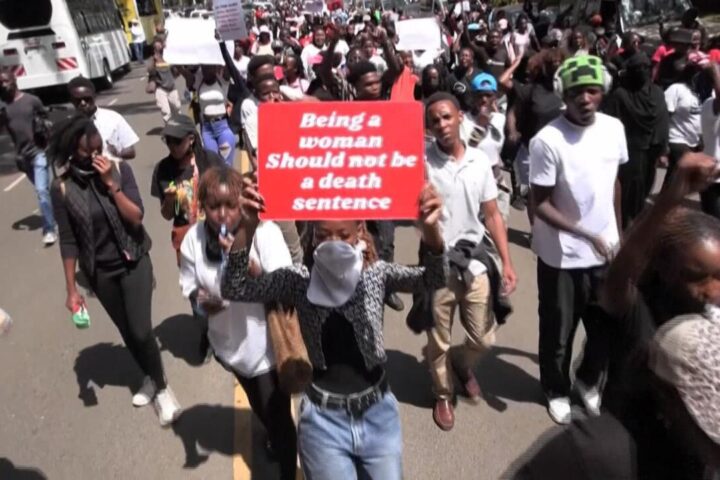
x=418, y=34
x=230, y=19
x=191, y=41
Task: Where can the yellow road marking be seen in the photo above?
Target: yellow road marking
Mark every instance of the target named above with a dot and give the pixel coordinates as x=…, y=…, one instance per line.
x=243, y=435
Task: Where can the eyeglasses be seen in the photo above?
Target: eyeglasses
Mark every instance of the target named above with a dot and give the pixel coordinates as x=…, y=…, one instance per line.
x=172, y=140
x=78, y=101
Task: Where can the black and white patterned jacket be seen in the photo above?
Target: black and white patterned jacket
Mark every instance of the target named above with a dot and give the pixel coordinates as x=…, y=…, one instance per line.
x=364, y=309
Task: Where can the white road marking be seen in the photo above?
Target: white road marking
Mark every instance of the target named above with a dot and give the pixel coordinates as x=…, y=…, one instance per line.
x=15, y=183
x=112, y=102
x=144, y=77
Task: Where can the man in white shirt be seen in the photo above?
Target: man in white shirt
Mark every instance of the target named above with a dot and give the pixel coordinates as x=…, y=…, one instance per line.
x=119, y=138
x=574, y=162
x=311, y=50
x=463, y=177
x=710, y=121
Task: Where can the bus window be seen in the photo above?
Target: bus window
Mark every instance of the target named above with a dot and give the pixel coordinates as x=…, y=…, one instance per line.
x=16, y=15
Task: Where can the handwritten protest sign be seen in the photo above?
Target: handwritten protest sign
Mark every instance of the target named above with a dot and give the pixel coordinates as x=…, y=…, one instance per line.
x=191, y=41
x=418, y=34
x=230, y=19
x=341, y=160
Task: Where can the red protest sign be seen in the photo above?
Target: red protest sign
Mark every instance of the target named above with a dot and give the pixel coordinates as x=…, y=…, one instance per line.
x=340, y=160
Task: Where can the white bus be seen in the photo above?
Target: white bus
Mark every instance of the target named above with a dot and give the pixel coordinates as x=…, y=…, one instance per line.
x=48, y=42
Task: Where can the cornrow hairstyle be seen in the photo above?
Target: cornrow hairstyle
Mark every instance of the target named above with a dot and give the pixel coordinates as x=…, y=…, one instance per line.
x=213, y=178
x=65, y=137
x=307, y=240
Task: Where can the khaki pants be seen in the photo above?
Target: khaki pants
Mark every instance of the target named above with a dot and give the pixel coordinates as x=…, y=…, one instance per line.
x=168, y=103
x=478, y=322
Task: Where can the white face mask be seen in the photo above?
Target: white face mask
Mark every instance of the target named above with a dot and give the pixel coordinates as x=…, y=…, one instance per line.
x=335, y=273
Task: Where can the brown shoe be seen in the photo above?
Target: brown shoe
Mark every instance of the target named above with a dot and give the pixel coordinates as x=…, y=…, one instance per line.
x=470, y=385
x=443, y=415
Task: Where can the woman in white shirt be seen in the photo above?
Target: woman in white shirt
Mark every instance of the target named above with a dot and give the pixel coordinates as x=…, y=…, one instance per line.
x=238, y=331
x=217, y=135
x=684, y=105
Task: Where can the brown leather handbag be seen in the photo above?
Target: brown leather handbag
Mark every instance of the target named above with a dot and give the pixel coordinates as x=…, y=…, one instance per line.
x=291, y=357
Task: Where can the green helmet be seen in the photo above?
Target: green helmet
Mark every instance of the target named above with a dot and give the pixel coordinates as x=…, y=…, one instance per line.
x=583, y=70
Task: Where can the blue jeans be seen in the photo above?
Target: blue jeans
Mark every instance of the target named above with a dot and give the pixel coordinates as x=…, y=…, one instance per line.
x=137, y=49
x=218, y=137
x=335, y=445
x=40, y=178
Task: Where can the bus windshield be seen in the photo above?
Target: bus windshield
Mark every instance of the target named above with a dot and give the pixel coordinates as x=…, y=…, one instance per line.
x=644, y=12
x=15, y=15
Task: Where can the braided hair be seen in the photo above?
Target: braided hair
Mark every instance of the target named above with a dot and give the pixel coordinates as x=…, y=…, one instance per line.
x=65, y=136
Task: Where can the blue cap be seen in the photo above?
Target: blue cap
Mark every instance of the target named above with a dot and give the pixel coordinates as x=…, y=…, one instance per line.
x=484, y=82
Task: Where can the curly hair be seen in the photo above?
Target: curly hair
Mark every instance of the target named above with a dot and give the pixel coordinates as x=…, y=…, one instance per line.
x=543, y=65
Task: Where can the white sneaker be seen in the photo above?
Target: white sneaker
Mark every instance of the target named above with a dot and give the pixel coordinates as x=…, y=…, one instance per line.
x=146, y=393
x=590, y=397
x=167, y=407
x=559, y=410
x=49, y=238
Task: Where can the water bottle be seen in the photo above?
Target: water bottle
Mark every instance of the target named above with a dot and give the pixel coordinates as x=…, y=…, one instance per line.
x=6, y=322
x=80, y=317
x=223, y=233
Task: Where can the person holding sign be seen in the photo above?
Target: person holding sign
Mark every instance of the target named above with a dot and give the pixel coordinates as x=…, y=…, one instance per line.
x=465, y=180
x=349, y=424
x=238, y=331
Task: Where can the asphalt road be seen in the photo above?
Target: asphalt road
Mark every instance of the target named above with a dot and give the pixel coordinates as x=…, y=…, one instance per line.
x=65, y=410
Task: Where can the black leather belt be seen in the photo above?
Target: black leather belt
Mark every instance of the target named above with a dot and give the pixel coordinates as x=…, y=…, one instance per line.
x=356, y=403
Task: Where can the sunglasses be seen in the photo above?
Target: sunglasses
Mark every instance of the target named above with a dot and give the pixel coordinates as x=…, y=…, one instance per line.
x=78, y=101
x=172, y=140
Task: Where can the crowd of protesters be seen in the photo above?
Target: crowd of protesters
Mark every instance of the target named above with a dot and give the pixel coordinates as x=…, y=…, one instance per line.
x=568, y=121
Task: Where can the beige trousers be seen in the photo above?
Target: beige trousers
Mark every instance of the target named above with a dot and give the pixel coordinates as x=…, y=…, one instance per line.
x=168, y=103
x=478, y=322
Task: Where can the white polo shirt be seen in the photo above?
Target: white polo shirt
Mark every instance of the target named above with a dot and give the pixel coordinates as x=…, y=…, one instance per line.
x=582, y=164
x=114, y=130
x=464, y=185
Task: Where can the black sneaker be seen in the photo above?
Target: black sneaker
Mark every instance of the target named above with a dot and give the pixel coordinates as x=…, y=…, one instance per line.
x=393, y=301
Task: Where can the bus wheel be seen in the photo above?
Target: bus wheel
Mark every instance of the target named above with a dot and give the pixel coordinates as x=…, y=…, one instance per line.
x=106, y=81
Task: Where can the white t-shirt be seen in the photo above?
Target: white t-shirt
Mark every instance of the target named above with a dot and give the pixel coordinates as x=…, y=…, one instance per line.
x=581, y=163
x=684, y=108
x=238, y=334
x=212, y=99
x=309, y=51
x=490, y=141
x=242, y=65
x=464, y=185
x=379, y=63
x=114, y=130
x=710, y=130
x=249, y=118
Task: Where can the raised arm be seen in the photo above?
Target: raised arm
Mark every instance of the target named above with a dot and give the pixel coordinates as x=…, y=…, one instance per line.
x=230, y=67
x=694, y=173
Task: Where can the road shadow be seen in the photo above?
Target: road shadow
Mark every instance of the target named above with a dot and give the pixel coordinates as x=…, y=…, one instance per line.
x=519, y=238
x=135, y=108
x=105, y=364
x=184, y=337
x=500, y=380
x=12, y=472
x=409, y=379
x=157, y=131
x=204, y=429
x=30, y=223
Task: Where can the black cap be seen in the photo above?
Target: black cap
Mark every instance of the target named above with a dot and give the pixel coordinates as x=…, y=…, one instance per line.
x=179, y=126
